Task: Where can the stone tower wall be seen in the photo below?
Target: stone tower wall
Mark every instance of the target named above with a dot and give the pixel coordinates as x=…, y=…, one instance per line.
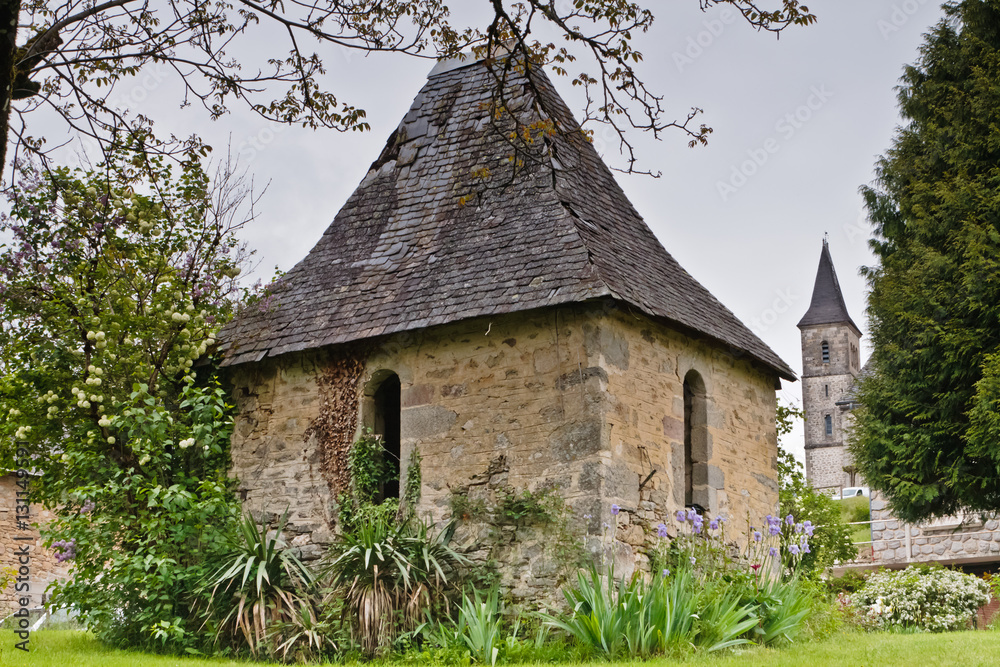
x=823, y=384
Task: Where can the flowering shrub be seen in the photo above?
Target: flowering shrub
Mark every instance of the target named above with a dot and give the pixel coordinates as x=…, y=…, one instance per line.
x=113, y=283
x=933, y=599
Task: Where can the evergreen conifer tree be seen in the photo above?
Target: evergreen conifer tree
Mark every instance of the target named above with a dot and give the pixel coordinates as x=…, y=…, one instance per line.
x=929, y=433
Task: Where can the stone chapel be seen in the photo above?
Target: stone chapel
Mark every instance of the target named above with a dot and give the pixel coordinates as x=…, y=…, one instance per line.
x=504, y=311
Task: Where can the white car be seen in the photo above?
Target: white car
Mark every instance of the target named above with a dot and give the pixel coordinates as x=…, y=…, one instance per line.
x=852, y=492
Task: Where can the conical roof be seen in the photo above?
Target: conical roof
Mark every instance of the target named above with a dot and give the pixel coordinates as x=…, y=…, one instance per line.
x=443, y=228
x=827, y=305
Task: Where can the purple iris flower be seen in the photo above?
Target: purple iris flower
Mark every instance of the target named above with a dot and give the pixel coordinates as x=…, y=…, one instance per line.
x=772, y=551
x=681, y=516
x=790, y=520
x=661, y=530
x=794, y=549
x=615, y=509
x=666, y=573
x=774, y=529
x=714, y=525
x=757, y=536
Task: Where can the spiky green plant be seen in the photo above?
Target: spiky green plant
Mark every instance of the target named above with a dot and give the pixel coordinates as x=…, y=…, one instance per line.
x=642, y=618
x=260, y=584
x=390, y=576
x=479, y=625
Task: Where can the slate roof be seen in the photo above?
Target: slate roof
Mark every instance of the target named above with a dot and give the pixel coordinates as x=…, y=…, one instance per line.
x=827, y=305
x=405, y=252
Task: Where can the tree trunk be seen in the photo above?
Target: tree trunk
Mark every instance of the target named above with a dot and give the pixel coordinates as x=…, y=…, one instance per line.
x=10, y=10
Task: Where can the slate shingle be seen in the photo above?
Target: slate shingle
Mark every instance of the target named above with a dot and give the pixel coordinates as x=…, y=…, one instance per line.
x=406, y=252
x=827, y=305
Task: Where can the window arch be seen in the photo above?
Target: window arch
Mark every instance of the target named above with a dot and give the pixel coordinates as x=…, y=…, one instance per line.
x=826, y=352
x=382, y=408
x=695, y=430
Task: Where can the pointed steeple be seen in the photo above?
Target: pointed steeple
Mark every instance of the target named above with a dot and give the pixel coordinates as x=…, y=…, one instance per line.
x=827, y=305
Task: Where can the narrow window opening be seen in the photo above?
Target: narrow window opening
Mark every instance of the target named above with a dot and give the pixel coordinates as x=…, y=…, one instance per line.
x=826, y=352
x=826, y=388
x=386, y=424
x=695, y=433
x=828, y=424
x=688, y=463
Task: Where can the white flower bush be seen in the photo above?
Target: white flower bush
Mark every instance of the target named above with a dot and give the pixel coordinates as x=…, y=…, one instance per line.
x=932, y=599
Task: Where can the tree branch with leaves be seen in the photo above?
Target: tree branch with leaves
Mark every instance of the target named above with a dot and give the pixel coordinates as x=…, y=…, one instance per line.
x=69, y=56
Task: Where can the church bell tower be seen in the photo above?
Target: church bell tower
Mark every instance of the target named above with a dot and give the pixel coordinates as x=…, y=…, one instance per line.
x=830, y=363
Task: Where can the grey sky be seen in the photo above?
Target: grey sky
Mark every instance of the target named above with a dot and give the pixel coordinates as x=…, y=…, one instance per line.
x=799, y=122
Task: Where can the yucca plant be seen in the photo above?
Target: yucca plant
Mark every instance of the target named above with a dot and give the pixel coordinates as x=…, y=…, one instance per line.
x=305, y=636
x=261, y=583
x=390, y=576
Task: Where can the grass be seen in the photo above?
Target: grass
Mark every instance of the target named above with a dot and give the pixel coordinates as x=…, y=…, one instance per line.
x=60, y=648
x=65, y=648
x=853, y=510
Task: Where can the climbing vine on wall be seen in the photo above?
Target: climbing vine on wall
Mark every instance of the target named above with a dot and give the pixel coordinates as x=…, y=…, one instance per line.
x=337, y=422
x=513, y=514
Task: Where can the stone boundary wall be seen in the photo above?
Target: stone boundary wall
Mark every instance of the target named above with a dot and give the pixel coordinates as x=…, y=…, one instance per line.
x=44, y=568
x=949, y=541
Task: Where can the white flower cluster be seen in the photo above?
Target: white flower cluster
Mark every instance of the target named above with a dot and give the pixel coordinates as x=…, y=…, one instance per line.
x=933, y=599
x=83, y=400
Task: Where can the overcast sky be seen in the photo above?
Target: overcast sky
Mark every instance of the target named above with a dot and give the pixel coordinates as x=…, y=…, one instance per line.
x=799, y=122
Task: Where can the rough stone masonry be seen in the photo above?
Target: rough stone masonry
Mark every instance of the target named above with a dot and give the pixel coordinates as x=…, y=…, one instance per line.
x=490, y=298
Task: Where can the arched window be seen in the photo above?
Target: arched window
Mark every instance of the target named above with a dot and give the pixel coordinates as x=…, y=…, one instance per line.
x=384, y=404
x=828, y=424
x=826, y=352
x=695, y=431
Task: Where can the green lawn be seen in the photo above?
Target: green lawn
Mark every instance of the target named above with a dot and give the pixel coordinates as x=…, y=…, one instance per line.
x=853, y=510
x=74, y=649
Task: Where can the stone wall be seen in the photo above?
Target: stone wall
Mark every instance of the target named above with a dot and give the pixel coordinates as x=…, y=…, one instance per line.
x=823, y=384
x=826, y=468
x=277, y=461
x=734, y=474
x=43, y=566
x=950, y=540
x=585, y=398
